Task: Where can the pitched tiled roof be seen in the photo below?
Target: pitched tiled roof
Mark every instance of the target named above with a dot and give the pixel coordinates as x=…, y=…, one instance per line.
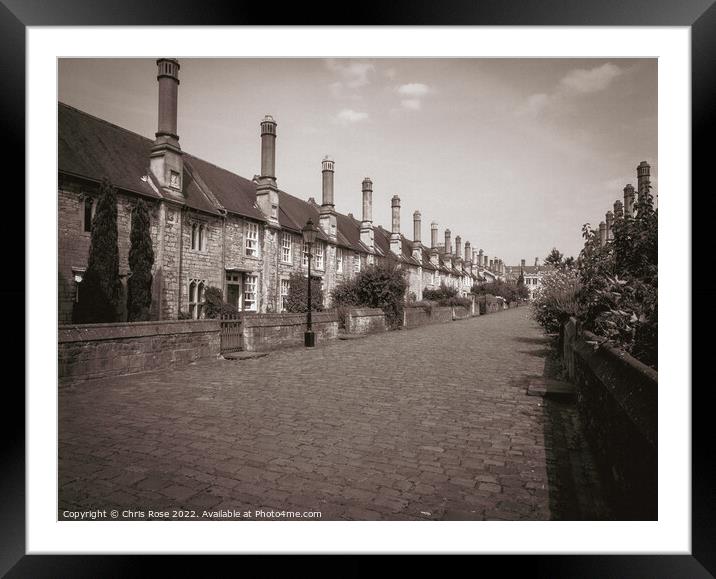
x=236, y=194
x=426, y=259
x=91, y=148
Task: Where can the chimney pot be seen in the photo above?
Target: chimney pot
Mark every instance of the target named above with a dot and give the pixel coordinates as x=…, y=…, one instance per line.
x=433, y=235
x=416, y=226
x=629, y=200
x=268, y=148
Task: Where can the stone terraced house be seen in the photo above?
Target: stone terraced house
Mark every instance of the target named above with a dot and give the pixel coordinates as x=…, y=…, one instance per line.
x=211, y=227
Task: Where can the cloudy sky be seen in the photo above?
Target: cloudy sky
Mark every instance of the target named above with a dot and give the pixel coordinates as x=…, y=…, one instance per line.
x=513, y=155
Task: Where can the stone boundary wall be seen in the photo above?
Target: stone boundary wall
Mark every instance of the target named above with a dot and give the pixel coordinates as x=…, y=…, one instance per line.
x=414, y=317
x=460, y=313
x=263, y=332
x=365, y=321
x=617, y=403
x=89, y=351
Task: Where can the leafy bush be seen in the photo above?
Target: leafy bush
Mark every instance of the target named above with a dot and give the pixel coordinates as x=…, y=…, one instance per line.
x=441, y=294
x=297, y=298
x=618, y=298
x=215, y=306
x=511, y=292
x=556, y=299
x=457, y=301
x=184, y=315
x=377, y=286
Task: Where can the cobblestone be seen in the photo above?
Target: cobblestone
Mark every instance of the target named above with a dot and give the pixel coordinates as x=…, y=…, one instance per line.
x=433, y=420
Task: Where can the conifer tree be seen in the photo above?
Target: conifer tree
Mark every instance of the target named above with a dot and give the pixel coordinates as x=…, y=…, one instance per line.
x=141, y=260
x=101, y=290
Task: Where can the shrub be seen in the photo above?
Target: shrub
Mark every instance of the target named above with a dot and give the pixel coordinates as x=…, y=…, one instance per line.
x=141, y=259
x=556, y=299
x=618, y=299
x=457, y=301
x=215, y=306
x=184, y=315
x=377, y=286
x=100, y=293
x=296, y=300
x=510, y=292
x=441, y=294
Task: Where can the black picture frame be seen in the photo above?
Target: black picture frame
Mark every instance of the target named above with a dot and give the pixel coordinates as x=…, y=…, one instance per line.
x=17, y=15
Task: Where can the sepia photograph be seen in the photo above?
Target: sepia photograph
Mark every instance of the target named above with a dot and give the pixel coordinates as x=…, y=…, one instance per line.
x=357, y=289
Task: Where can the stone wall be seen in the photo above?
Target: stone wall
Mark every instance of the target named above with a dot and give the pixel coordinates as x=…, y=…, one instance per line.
x=414, y=317
x=460, y=313
x=365, y=321
x=617, y=402
x=100, y=350
x=272, y=331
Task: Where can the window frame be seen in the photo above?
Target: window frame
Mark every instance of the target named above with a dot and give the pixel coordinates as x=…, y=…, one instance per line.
x=339, y=260
x=251, y=281
x=286, y=249
x=283, y=295
x=251, y=241
x=319, y=255
x=196, y=301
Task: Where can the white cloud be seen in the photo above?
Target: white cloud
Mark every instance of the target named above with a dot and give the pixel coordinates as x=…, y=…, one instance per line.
x=535, y=104
x=350, y=116
x=576, y=81
x=591, y=80
x=414, y=89
x=411, y=104
x=390, y=73
x=352, y=73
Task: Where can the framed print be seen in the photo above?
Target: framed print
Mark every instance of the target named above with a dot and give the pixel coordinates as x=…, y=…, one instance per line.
x=379, y=287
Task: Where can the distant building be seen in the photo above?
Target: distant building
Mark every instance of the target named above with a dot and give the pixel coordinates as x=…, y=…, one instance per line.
x=532, y=275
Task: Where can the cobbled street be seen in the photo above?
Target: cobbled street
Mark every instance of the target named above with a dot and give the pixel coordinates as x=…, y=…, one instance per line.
x=432, y=423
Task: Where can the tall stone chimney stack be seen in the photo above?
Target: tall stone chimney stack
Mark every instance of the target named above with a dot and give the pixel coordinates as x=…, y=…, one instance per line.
x=165, y=161
x=268, y=148
x=447, y=253
x=458, y=246
x=492, y=264
x=481, y=258
x=434, y=254
x=416, y=226
x=522, y=262
x=629, y=200
x=366, y=226
x=468, y=252
x=327, y=215
x=395, y=243
x=327, y=172
x=266, y=190
x=618, y=209
x=602, y=233
x=417, y=247
x=610, y=223
x=643, y=172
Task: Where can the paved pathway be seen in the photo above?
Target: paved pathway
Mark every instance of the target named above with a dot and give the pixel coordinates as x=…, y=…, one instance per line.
x=429, y=423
